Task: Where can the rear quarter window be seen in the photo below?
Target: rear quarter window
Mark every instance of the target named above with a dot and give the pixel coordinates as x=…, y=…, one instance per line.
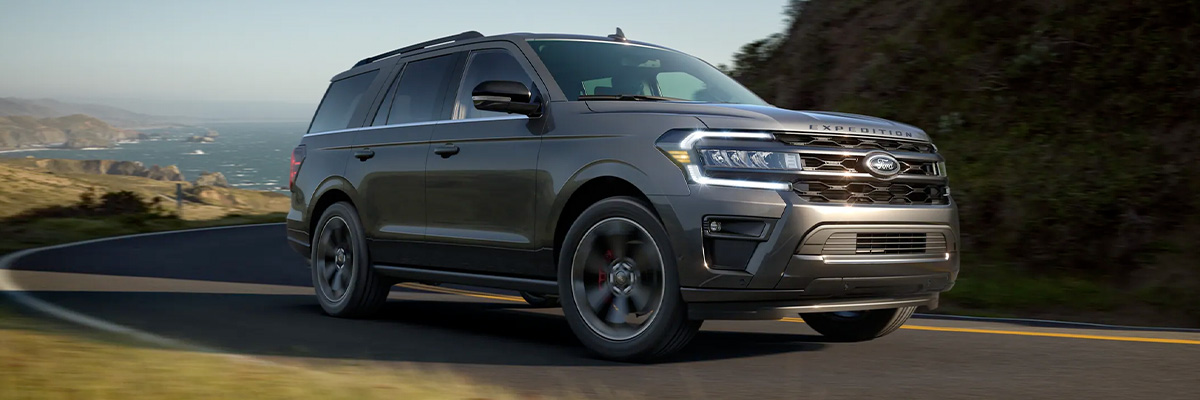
x=342, y=98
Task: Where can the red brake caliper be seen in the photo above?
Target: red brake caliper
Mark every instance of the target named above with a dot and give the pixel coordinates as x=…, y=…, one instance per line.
x=608, y=256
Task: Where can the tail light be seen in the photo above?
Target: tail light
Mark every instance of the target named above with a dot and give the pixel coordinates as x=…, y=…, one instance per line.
x=297, y=159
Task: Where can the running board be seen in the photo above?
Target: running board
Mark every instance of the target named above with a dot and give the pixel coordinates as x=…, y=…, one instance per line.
x=465, y=278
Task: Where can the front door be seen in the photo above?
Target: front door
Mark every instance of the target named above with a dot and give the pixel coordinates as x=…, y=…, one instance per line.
x=480, y=177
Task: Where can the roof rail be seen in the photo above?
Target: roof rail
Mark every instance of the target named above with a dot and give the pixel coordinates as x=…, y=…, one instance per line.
x=452, y=38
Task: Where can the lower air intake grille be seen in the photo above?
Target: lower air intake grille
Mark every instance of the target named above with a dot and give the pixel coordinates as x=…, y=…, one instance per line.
x=847, y=243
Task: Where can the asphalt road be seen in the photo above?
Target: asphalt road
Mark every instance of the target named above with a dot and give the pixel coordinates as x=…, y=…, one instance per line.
x=242, y=290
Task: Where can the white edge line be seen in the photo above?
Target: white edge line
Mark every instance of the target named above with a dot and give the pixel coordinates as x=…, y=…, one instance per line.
x=18, y=294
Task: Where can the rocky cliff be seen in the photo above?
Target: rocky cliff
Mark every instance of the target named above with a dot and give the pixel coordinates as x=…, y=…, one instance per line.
x=211, y=179
x=104, y=167
x=200, y=139
x=72, y=131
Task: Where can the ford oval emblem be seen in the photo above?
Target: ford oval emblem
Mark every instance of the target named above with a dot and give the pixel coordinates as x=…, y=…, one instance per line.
x=882, y=165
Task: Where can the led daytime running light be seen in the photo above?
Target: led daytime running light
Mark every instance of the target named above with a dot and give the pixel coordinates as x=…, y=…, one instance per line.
x=698, y=177
x=694, y=137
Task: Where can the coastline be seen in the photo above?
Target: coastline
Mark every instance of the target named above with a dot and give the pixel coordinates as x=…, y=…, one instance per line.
x=116, y=144
x=28, y=149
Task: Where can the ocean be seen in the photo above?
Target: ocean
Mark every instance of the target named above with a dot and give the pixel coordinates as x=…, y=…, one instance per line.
x=250, y=155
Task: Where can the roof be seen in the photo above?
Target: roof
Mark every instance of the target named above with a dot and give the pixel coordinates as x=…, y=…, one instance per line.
x=470, y=37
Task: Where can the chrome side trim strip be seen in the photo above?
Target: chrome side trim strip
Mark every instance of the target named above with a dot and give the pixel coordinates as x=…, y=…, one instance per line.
x=422, y=123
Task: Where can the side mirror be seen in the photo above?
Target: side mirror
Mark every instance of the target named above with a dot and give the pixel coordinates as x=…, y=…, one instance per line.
x=504, y=96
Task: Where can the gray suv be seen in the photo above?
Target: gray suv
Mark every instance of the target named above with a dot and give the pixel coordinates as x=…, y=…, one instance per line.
x=636, y=185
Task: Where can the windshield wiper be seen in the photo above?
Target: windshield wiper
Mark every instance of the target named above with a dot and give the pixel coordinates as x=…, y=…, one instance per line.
x=627, y=97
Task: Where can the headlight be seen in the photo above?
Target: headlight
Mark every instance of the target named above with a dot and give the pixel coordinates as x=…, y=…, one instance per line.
x=682, y=147
x=751, y=159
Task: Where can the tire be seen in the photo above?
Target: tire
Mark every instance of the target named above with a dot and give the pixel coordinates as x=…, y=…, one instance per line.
x=858, y=326
x=619, y=244
x=344, y=282
x=540, y=300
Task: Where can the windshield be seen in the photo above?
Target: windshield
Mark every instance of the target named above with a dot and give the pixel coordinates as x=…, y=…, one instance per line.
x=599, y=70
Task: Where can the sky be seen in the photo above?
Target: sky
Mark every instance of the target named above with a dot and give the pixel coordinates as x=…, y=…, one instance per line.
x=159, y=52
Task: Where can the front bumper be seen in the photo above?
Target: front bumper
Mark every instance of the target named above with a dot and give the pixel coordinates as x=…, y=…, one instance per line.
x=793, y=308
x=790, y=268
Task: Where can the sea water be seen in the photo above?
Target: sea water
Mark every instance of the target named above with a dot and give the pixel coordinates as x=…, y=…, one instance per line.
x=250, y=155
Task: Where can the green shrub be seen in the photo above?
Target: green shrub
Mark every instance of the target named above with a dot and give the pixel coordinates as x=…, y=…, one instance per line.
x=120, y=203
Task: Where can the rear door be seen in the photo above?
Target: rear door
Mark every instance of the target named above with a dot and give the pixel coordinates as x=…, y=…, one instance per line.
x=480, y=200
x=389, y=165
x=328, y=141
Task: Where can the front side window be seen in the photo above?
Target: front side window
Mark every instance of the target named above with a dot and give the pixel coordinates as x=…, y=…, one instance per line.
x=681, y=85
x=340, y=102
x=488, y=65
x=599, y=70
x=420, y=91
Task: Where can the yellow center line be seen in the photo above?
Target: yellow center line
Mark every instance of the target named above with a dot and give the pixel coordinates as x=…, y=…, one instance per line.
x=1051, y=334
x=1042, y=334
x=517, y=299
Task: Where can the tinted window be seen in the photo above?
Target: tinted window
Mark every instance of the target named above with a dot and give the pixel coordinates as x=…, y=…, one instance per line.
x=340, y=101
x=488, y=65
x=385, y=106
x=421, y=90
x=609, y=68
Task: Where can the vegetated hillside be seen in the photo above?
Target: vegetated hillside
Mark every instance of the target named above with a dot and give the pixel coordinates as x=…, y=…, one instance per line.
x=72, y=131
x=35, y=183
x=50, y=108
x=1071, y=127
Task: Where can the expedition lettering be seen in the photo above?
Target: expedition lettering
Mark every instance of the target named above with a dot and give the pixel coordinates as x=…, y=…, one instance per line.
x=851, y=129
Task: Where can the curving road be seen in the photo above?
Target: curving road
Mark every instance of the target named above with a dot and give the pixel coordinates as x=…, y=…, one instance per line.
x=242, y=290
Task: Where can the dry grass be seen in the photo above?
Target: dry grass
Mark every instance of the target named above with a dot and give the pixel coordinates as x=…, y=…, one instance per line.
x=23, y=187
x=41, y=363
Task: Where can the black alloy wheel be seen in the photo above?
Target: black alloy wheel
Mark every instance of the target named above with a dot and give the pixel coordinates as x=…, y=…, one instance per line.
x=618, y=283
x=345, y=284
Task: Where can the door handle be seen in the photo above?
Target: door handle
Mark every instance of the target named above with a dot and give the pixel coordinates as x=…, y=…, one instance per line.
x=364, y=154
x=446, y=150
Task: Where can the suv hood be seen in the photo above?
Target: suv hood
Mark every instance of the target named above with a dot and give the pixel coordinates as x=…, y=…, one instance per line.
x=751, y=117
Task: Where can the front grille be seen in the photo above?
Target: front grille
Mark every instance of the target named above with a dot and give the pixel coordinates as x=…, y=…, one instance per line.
x=849, y=164
x=855, y=142
x=849, y=243
x=870, y=192
x=832, y=172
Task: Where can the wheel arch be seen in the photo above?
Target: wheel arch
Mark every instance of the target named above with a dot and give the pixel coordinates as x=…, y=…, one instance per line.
x=588, y=193
x=331, y=191
x=592, y=183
